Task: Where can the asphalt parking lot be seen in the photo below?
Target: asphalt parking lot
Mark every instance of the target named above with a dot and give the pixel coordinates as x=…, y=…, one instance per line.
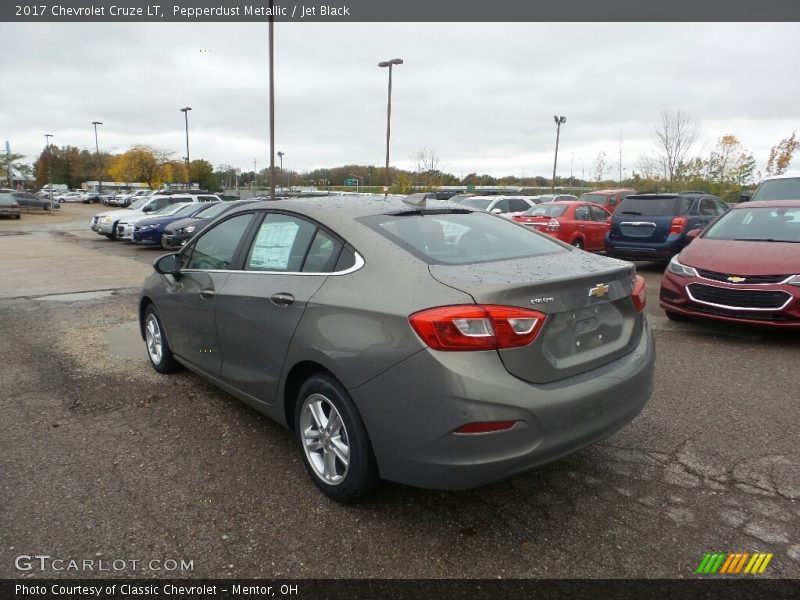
x=101, y=457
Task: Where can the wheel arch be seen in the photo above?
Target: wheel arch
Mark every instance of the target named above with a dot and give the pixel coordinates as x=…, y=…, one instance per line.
x=294, y=380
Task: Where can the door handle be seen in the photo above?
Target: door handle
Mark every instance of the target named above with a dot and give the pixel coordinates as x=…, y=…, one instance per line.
x=282, y=299
x=207, y=294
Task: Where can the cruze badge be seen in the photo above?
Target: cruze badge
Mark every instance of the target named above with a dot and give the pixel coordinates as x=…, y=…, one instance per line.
x=542, y=300
x=736, y=279
x=598, y=291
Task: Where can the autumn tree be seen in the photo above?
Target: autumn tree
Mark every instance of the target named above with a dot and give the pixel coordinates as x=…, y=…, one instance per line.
x=730, y=163
x=781, y=155
x=142, y=164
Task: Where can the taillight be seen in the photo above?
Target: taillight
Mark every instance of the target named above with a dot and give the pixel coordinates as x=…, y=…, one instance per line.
x=678, y=224
x=639, y=294
x=553, y=225
x=477, y=326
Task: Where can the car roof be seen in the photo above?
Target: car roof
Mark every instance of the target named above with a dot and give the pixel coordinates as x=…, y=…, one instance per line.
x=768, y=204
x=780, y=177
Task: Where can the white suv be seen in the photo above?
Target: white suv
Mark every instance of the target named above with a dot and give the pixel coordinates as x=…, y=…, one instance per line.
x=107, y=223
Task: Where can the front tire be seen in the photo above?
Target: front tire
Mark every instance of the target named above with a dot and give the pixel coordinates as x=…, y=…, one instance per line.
x=333, y=441
x=578, y=243
x=156, y=343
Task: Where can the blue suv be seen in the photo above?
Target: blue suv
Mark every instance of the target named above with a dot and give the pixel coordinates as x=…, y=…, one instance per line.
x=654, y=227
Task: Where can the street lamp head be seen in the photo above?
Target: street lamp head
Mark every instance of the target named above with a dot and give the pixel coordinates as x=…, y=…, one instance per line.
x=394, y=61
x=97, y=122
x=186, y=109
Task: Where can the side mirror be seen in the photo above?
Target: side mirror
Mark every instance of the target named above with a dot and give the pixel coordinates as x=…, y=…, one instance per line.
x=496, y=211
x=693, y=233
x=169, y=264
x=147, y=209
x=745, y=197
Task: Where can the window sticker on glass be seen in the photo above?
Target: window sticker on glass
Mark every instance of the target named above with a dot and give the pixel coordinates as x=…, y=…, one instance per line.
x=280, y=244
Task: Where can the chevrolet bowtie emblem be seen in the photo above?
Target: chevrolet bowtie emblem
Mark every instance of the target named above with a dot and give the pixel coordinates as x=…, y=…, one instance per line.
x=736, y=279
x=598, y=291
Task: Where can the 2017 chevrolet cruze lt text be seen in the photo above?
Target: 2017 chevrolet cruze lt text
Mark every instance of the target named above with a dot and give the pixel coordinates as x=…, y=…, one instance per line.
x=415, y=341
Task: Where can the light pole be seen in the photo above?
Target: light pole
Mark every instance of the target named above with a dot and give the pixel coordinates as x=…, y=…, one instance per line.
x=280, y=157
x=559, y=122
x=390, y=64
x=271, y=103
x=185, y=110
x=582, y=176
x=97, y=153
x=47, y=137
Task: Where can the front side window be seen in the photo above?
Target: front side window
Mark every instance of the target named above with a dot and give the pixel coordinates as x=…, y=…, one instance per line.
x=215, y=248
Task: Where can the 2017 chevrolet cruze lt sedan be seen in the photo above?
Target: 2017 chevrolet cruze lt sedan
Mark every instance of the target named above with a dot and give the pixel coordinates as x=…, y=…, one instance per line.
x=410, y=340
x=744, y=268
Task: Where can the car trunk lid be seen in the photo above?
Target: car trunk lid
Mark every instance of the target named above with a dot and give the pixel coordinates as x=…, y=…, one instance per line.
x=590, y=319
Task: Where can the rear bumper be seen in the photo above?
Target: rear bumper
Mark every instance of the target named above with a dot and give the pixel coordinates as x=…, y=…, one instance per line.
x=675, y=297
x=631, y=250
x=412, y=410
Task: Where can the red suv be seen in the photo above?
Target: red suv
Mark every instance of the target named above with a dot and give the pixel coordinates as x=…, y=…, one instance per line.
x=608, y=199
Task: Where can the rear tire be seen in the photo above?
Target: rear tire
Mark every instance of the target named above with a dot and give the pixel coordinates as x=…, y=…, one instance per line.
x=156, y=343
x=333, y=441
x=676, y=317
x=578, y=243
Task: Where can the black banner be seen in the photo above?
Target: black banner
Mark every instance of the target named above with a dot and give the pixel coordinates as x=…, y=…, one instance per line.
x=407, y=10
x=375, y=589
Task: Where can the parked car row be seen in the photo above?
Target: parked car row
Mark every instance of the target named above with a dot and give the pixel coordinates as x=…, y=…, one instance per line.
x=165, y=219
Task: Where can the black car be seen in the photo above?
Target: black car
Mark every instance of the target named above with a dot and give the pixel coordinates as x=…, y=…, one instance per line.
x=178, y=233
x=654, y=227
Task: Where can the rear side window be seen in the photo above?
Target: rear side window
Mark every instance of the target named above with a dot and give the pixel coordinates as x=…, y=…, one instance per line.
x=207, y=199
x=280, y=244
x=456, y=239
x=654, y=207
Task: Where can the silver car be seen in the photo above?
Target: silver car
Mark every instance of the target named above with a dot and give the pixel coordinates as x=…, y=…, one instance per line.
x=414, y=341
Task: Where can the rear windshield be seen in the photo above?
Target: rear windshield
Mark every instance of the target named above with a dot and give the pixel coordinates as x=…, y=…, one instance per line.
x=778, y=189
x=546, y=210
x=757, y=225
x=596, y=198
x=457, y=238
x=655, y=207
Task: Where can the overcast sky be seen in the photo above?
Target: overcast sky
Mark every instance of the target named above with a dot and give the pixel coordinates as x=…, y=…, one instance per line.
x=482, y=96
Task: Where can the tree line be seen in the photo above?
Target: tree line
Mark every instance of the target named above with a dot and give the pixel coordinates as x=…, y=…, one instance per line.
x=669, y=166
